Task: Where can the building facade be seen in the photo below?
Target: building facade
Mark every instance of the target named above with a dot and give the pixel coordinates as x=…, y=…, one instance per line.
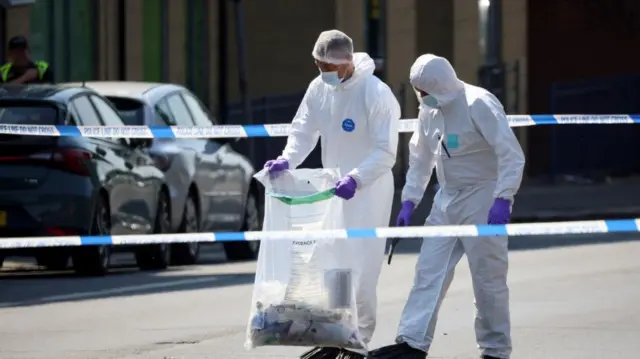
x=178, y=40
x=543, y=44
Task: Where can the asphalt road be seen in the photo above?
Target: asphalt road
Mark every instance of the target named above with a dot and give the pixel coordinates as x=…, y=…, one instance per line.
x=577, y=301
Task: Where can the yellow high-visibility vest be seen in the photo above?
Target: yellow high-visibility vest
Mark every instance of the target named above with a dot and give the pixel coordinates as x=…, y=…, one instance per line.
x=41, y=67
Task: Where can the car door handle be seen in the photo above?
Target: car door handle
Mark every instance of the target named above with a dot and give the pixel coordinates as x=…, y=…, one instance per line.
x=101, y=151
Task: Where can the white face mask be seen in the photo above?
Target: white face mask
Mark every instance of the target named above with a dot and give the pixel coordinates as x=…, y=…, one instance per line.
x=430, y=101
x=331, y=78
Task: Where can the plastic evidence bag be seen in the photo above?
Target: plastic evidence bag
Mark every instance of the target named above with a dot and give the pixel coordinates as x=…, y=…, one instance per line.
x=304, y=293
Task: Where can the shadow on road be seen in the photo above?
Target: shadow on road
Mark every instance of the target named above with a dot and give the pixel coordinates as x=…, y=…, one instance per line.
x=34, y=287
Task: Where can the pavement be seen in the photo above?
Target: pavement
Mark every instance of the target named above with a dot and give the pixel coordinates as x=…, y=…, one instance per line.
x=573, y=201
x=577, y=301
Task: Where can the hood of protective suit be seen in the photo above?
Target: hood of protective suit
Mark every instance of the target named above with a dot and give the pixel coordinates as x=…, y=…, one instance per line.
x=364, y=67
x=436, y=76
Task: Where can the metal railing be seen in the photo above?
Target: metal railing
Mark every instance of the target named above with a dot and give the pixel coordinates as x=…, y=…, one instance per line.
x=595, y=152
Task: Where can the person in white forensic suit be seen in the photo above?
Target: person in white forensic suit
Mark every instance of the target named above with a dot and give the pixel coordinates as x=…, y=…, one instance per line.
x=355, y=116
x=465, y=135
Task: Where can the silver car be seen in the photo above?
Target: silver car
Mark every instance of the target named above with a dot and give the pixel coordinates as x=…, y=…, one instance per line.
x=211, y=185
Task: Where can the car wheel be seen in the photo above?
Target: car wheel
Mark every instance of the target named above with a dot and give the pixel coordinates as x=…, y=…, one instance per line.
x=53, y=258
x=246, y=250
x=187, y=253
x=95, y=260
x=157, y=256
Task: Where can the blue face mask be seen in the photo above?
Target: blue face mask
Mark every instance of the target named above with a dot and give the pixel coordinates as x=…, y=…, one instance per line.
x=330, y=78
x=430, y=101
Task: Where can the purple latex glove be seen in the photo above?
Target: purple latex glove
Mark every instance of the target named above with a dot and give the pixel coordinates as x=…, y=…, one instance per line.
x=404, y=217
x=346, y=188
x=500, y=212
x=276, y=166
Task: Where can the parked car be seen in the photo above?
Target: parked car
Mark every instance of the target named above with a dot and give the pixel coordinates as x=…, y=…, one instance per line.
x=56, y=186
x=211, y=185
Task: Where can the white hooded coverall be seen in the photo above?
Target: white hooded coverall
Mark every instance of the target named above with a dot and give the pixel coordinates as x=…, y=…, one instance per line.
x=357, y=122
x=485, y=161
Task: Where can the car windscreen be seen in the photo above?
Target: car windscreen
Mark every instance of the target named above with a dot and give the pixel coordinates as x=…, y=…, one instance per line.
x=28, y=113
x=131, y=111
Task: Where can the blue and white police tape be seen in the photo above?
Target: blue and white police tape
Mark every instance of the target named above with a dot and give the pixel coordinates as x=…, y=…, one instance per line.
x=274, y=130
x=519, y=229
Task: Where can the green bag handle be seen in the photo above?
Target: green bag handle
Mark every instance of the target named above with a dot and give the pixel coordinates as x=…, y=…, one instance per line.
x=312, y=198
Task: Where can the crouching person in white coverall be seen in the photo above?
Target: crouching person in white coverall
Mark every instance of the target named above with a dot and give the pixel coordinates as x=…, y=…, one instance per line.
x=465, y=135
x=355, y=115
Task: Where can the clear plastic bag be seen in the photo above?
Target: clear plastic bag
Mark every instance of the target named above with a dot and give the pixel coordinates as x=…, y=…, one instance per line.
x=304, y=292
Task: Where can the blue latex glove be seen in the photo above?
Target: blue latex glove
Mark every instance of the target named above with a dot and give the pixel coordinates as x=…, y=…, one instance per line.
x=404, y=217
x=500, y=212
x=276, y=166
x=346, y=188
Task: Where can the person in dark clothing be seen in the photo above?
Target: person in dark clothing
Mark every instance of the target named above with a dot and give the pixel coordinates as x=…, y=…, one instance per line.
x=21, y=69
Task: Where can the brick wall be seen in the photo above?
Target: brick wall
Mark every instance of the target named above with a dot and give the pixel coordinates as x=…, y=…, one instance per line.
x=514, y=43
x=176, y=41
x=401, y=52
x=18, y=21
x=134, y=46
x=435, y=31
x=279, y=37
x=514, y=48
x=213, y=57
x=466, y=40
x=401, y=47
x=108, y=47
x=350, y=19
